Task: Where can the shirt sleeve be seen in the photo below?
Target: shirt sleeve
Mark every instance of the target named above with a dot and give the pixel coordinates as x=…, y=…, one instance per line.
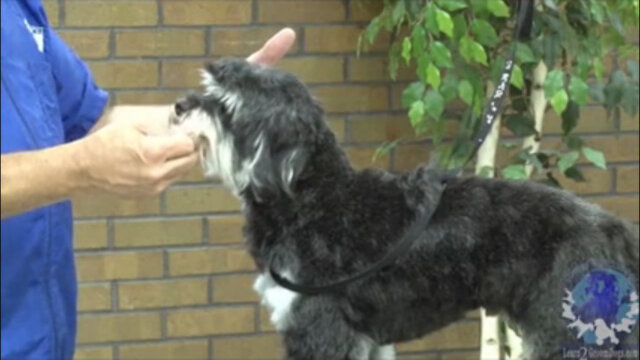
x=80, y=100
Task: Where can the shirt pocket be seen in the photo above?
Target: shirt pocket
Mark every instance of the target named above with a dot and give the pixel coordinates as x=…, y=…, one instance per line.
x=33, y=92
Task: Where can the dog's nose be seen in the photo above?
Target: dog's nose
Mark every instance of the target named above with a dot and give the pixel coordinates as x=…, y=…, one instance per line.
x=181, y=106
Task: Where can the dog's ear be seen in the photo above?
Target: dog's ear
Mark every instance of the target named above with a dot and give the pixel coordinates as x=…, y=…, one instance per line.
x=274, y=172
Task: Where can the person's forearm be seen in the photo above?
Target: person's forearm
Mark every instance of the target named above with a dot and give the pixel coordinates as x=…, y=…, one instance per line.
x=36, y=178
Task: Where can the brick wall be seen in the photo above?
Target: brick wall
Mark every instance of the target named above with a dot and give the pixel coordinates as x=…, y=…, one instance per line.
x=167, y=277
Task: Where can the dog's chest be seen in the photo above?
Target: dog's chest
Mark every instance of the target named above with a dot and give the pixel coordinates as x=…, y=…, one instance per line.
x=278, y=299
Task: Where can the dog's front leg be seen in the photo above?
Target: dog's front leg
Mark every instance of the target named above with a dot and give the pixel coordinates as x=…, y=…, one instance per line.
x=319, y=331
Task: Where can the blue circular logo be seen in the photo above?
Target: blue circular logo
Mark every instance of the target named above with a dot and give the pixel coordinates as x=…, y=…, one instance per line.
x=602, y=307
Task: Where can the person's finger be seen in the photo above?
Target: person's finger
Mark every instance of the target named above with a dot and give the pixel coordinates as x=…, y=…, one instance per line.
x=275, y=48
x=169, y=146
x=176, y=168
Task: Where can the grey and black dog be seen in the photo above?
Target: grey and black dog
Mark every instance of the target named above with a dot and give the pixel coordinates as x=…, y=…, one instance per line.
x=507, y=246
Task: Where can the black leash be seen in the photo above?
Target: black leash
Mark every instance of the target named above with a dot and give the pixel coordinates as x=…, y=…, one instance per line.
x=523, y=27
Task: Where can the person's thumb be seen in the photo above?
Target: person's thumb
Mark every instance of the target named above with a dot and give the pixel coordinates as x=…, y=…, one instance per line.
x=169, y=146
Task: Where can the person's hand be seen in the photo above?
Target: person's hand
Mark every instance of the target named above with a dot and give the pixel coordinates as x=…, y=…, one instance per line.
x=134, y=157
x=275, y=48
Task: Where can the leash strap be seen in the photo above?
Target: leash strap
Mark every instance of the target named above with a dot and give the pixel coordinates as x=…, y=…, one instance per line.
x=523, y=22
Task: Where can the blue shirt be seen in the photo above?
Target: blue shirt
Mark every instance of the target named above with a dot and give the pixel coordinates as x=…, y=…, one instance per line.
x=48, y=98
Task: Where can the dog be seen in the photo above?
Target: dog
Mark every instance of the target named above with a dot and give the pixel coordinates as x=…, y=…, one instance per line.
x=507, y=246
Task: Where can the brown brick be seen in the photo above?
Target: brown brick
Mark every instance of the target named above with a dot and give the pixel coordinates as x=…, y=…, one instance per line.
x=88, y=44
x=338, y=126
x=379, y=128
x=118, y=327
x=407, y=157
x=363, y=157
x=352, y=98
x=89, y=235
x=165, y=42
x=265, y=324
x=624, y=206
x=260, y=347
x=147, y=97
x=181, y=74
x=315, y=69
x=208, y=261
x=93, y=353
x=121, y=265
x=195, y=175
x=376, y=68
x=125, y=74
x=365, y=10
x=201, y=199
x=293, y=11
x=396, y=96
x=598, y=182
x=52, y=9
x=162, y=293
x=234, y=288
x=182, y=350
x=111, y=13
x=94, y=297
x=616, y=148
x=592, y=120
x=158, y=232
x=226, y=320
x=456, y=336
x=627, y=179
x=338, y=39
x=243, y=41
x=191, y=12
x=226, y=229
x=109, y=205
x=629, y=122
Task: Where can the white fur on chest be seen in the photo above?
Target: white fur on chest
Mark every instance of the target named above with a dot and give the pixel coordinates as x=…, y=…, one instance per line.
x=278, y=299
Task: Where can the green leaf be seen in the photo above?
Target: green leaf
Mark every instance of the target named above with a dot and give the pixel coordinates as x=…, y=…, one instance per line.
x=416, y=114
x=573, y=142
x=567, y=160
x=430, y=18
x=413, y=92
x=498, y=8
x=406, y=50
x=434, y=103
x=449, y=88
x=440, y=54
x=394, y=59
x=421, y=68
x=598, y=68
x=452, y=5
x=579, y=90
x=465, y=89
x=559, y=101
x=575, y=174
x=632, y=66
x=433, y=76
x=520, y=124
x=384, y=149
x=418, y=38
x=372, y=30
x=515, y=172
x=484, y=32
x=553, y=83
x=570, y=117
x=445, y=24
x=597, y=11
x=595, y=157
x=517, y=79
x=472, y=51
x=459, y=26
x=398, y=12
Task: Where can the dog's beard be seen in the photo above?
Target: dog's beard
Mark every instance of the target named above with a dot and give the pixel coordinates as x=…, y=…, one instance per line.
x=217, y=154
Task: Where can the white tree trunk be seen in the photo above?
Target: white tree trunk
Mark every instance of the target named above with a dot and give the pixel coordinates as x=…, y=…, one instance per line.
x=538, y=106
x=490, y=329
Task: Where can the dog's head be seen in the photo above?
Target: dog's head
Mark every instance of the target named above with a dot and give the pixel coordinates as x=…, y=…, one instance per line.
x=257, y=126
